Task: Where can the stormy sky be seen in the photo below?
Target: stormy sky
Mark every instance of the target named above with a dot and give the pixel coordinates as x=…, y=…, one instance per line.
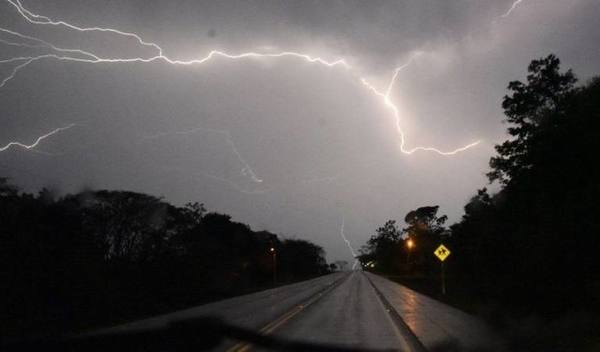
x=283, y=144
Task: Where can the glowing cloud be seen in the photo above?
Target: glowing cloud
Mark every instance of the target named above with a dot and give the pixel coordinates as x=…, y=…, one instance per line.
x=78, y=55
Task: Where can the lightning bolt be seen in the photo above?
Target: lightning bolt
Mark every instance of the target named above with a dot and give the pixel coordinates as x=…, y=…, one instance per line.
x=37, y=141
x=395, y=111
x=343, y=235
x=77, y=55
x=233, y=185
x=246, y=170
x=37, y=19
x=42, y=43
x=512, y=8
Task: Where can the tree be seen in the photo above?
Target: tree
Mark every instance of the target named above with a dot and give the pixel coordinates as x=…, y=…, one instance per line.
x=300, y=259
x=540, y=221
x=340, y=265
x=424, y=220
x=129, y=226
x=530, y=109
x=97, y=257
x=384, y=246
x=6, y=189
x=426, y=229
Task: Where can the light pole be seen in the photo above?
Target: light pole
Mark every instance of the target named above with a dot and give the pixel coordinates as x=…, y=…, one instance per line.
x=274, y=256
x=409, y=244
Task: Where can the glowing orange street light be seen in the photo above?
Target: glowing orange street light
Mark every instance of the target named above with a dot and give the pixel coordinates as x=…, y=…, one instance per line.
x=410, y=244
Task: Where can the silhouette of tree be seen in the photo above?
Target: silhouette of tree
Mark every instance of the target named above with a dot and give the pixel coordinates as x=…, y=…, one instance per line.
x=101, y=256
x=6, y=189
x=129, y=226
x=383, y=246
x=424, y=220
x=426, y=230
x=531, y=249
x=532, y=108
x=340, y=265
x=300, y=259
x=531, y=244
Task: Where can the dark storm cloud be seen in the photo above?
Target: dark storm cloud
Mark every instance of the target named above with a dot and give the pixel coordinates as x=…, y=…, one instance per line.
x=323, y=146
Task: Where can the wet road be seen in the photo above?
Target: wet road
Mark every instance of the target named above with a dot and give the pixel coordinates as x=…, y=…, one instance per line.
x=437, y=325
x=252, y=311
x=353, y=309
x=350, y=315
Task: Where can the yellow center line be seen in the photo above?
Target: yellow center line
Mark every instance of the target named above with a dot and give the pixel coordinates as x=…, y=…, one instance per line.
x=272, y=326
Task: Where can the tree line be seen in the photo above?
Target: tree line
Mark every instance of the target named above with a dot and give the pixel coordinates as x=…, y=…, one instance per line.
x=98, y=257
x=531, y=248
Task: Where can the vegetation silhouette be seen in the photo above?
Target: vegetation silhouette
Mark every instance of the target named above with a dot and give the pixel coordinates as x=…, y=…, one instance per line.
x=525, y=257
x=100, y=257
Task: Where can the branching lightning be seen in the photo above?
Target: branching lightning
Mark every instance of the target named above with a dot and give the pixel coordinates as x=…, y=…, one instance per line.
x=156, y=54
x=37, y=141
x=234, y=185
x=82, y=56
x=246, y=169
x=512, y=8
x=394, y=108
x=37, y=19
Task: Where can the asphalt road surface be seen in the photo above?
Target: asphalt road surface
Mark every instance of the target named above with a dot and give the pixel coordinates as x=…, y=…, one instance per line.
x=352, y=309
x=350, y=315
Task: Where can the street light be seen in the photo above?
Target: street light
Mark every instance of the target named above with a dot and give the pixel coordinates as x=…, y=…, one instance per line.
x=410, y=244
x=274, y=256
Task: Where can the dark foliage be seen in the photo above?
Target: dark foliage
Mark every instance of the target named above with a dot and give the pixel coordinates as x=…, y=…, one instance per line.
x=527, y=256
x=534, y=243
x=389, y=250
x=99, y=257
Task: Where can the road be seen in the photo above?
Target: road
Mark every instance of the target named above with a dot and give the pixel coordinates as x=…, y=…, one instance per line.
x=354, y=309
x=350, y=315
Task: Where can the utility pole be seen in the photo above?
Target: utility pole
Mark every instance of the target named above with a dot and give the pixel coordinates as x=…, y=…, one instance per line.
x=274, y=256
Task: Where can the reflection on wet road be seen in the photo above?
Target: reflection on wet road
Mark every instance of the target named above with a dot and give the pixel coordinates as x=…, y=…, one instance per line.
x=355, y=309
x=350, y=315
x=435, y=323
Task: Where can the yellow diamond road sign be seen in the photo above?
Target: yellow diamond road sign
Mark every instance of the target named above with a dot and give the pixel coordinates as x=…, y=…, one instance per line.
x=442, y=252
